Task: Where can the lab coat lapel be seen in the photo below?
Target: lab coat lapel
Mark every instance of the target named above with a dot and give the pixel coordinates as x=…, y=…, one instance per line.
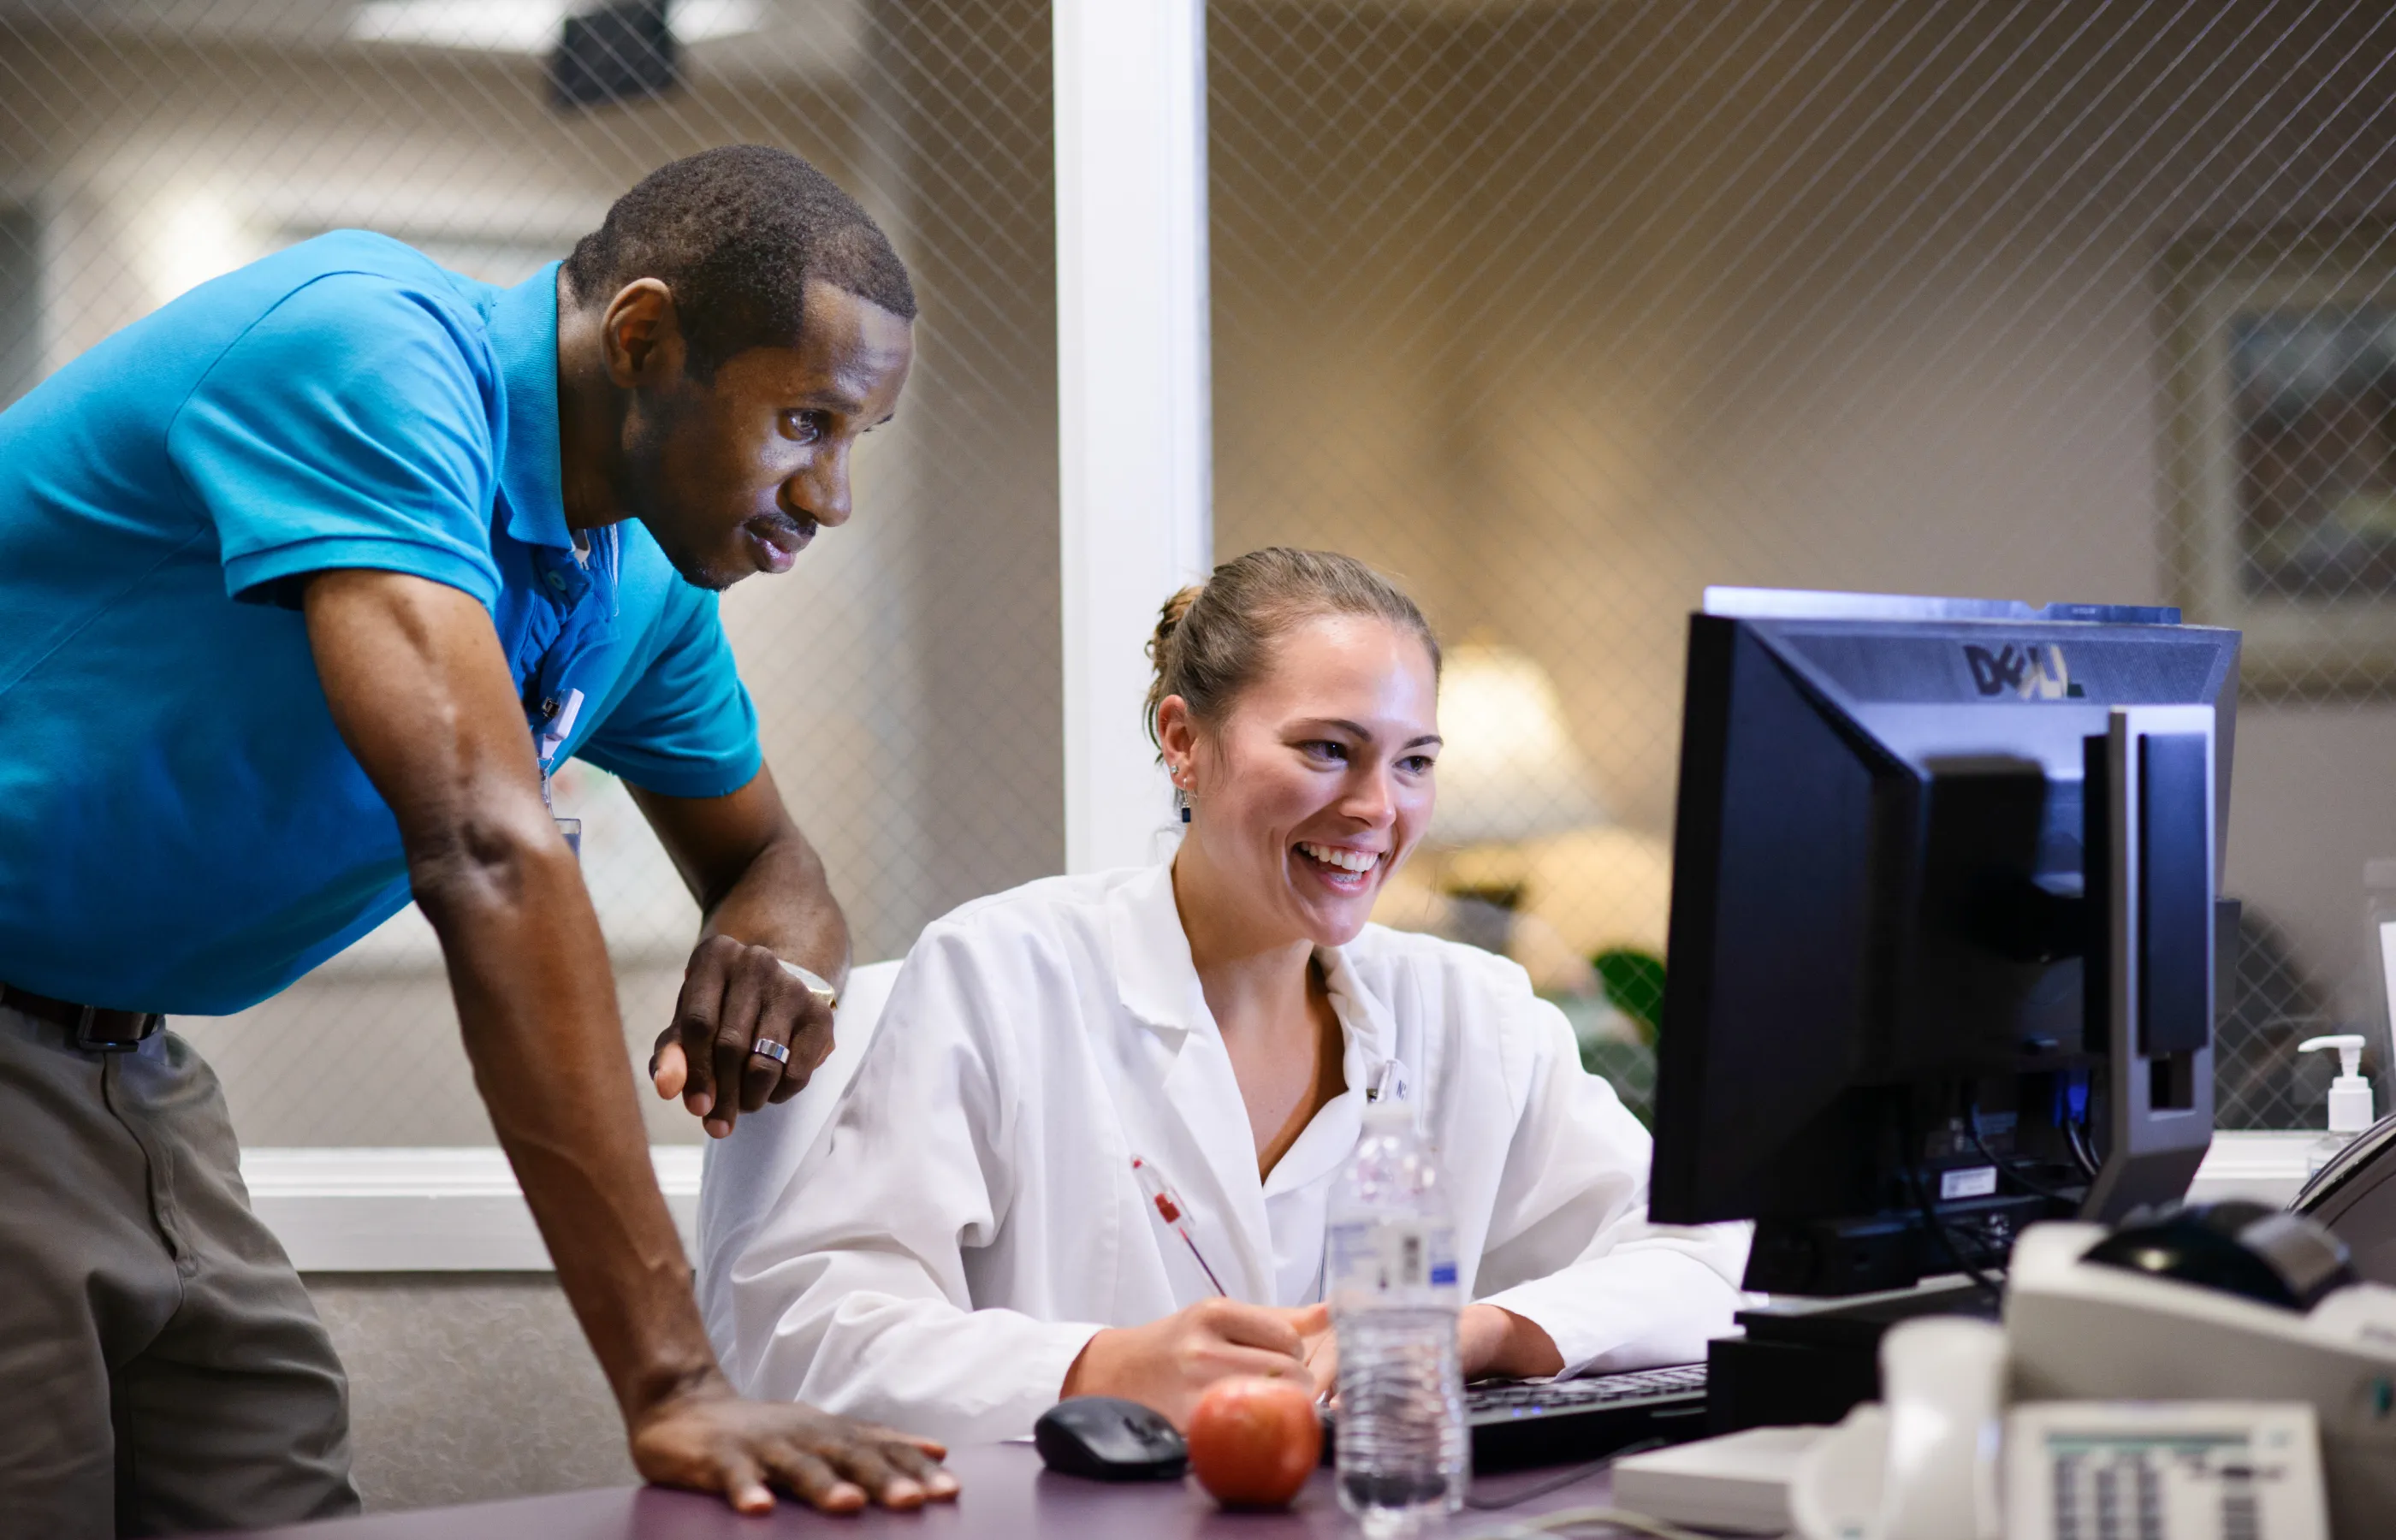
x=1370, y=1037
x=1200, y=1101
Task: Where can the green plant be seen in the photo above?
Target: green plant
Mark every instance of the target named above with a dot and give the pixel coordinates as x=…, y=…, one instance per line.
x=1633, y=981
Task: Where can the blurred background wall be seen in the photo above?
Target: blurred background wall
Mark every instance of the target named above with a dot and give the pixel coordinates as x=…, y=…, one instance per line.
x=1566, y=311
x=1560, y=309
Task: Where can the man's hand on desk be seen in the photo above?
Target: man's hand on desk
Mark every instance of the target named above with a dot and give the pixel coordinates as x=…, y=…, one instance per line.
x=735, y=996
x=710, y=1441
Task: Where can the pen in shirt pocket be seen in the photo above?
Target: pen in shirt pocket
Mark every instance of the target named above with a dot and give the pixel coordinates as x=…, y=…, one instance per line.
x=1174, y=1212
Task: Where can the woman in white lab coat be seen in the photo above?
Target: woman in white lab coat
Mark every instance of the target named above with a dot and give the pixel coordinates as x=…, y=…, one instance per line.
x=968, y=1242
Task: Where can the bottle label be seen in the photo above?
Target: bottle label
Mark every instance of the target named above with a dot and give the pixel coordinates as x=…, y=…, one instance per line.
x=1391, y=1257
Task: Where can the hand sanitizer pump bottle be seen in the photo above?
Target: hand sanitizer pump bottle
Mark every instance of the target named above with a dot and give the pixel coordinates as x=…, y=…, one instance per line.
x=2349, y=1099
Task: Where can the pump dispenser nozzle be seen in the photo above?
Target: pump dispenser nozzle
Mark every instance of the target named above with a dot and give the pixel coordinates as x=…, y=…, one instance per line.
x=2350, y=1095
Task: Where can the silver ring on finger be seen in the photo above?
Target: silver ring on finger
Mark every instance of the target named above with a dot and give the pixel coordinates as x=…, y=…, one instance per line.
x=767, y=1048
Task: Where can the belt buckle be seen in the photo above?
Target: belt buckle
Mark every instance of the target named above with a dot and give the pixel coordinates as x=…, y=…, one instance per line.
x=92, y=1042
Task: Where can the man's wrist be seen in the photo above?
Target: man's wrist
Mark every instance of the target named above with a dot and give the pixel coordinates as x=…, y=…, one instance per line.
x=659, y=1388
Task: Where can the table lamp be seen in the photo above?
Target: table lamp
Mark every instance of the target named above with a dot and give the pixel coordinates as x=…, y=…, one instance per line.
x=1509, y=770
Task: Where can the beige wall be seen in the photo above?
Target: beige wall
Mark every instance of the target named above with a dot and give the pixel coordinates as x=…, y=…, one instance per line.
x=1565, y=311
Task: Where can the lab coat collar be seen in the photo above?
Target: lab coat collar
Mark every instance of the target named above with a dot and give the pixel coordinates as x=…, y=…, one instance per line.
x=1154, y=977
x=1370, y=1034
x=1363, y=1014
x=1157, y=982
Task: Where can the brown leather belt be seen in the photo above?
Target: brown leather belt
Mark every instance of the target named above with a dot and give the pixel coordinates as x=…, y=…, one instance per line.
x=96, y=1030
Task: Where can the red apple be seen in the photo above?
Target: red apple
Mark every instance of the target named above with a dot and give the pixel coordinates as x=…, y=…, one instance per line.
x=1253, y=1442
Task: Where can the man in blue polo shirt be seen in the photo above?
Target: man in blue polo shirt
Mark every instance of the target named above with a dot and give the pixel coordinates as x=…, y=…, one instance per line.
x=308, y=578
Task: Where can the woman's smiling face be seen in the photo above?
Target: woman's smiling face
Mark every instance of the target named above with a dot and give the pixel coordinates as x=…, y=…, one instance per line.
x=1317, y=781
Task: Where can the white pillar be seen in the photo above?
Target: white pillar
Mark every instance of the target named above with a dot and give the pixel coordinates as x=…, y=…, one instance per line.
x=1134, y=446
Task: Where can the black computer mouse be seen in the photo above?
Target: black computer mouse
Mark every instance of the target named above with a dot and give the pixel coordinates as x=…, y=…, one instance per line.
x=1110, y=1441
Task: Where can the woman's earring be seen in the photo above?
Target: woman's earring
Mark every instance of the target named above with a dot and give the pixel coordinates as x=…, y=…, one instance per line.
x=1181, y=801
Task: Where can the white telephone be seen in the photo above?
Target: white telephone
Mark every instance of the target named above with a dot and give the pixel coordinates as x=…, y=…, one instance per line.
x=1945, y=1459
x=1923, y=1465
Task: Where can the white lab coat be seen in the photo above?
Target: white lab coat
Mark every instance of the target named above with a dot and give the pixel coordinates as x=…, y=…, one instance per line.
x=970, y=1216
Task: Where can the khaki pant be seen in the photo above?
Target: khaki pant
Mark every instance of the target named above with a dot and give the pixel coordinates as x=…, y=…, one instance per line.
x=161, y=1368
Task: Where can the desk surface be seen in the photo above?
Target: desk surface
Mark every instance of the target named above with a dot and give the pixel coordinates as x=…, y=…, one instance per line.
x=1006, y=1495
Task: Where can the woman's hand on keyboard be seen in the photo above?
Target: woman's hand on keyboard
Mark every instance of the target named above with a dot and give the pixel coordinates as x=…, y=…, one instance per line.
x=1494, y=1343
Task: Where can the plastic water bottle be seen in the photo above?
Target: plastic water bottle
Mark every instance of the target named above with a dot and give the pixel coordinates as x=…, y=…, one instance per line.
x=1390, y=1275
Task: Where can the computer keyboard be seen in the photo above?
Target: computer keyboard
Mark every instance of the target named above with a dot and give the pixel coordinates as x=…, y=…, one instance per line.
x=1515, y=1424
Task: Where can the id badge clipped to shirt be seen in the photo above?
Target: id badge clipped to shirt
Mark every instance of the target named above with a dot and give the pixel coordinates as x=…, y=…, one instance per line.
x=549, y=740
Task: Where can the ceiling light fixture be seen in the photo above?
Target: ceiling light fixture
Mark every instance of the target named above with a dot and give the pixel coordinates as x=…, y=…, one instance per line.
x=526, y=26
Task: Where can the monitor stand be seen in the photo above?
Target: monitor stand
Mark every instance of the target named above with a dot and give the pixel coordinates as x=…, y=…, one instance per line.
x=1811, y=1360
x=1887, y=1253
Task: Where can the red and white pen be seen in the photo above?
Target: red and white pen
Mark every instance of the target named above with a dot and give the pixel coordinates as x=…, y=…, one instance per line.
x=1170, y=1208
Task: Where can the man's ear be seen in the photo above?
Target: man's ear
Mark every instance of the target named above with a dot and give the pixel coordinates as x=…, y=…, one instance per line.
x=641, y=335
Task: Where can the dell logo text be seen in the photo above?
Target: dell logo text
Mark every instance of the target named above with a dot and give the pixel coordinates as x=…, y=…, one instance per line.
x=2031, y=672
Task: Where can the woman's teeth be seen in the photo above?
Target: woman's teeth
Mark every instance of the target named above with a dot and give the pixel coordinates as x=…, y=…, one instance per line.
x=1346, y=860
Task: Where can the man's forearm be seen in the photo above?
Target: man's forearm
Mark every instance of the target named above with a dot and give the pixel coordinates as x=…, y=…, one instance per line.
x=783, y=902
x=416, y=681
x=535, y=1001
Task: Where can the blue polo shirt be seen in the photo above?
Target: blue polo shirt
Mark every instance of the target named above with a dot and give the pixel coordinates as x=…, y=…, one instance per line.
x=181, y=829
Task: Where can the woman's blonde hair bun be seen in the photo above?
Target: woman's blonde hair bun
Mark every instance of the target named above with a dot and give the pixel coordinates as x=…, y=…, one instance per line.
x=1213, y=639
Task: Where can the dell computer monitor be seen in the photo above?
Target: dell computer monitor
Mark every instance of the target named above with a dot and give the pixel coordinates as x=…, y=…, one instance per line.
x=1943, y=925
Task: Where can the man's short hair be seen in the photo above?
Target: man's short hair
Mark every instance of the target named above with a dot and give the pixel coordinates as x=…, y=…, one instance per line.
x=738, y=233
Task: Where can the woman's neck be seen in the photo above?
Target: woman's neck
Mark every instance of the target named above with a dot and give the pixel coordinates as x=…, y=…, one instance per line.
x=1272, y=1009
x=1248, y=976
